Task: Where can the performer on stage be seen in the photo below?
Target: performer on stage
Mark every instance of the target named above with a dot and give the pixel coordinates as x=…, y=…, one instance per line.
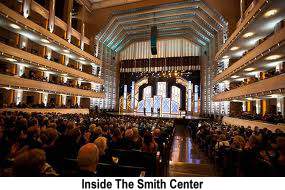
x=158, y=112
x=144, y=111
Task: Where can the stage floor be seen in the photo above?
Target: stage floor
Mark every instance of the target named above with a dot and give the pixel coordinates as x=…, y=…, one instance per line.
x=167, y=116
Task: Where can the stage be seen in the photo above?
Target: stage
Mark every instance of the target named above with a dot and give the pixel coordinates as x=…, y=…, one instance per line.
x=164, y=116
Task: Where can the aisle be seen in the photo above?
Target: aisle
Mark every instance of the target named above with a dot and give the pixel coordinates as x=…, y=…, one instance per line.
x=186, y=159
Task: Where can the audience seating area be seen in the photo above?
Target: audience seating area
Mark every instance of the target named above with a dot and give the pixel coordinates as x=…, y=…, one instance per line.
x=241, y=151
x=34, y=144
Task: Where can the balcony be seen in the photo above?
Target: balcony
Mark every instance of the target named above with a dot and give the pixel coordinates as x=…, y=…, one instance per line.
x=33, y=60
x=263, y=87
x=38, y=86
x=37, y=33
x=256, y=57
x=252, y=22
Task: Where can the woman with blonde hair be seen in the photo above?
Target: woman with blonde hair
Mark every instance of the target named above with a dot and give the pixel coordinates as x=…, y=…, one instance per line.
x=101, y=143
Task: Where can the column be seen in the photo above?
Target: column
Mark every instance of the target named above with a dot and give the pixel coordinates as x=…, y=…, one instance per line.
x=46, y=75
x=82, y=29
x=20, y=70
x=63, y=99
x=248, y=106
x=125, y=97
x=189, y=100
x=45, y=98
x=280, y=105
x=51, y=15
x=18, y=96
x=258, y=106
x=196, y=98
x=26, y=8
x=243, y=106
x=133, y=96
x=78, y=100
x=264, y=107
x=68, y=10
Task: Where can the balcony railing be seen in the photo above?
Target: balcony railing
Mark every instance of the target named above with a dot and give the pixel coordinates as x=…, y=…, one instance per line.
x=28, y=84
x=275, y=84
x=28, y=57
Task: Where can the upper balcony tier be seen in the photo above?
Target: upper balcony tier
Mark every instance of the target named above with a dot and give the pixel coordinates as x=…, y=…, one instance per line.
x=13, y=82
x=259, y=21
x=17, y=23
x=263, y=57
x=261, y=88
x=20, y=57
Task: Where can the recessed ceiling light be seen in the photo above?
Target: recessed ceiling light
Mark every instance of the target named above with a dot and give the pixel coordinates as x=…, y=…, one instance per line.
x=11, y=59
x=234, y=76
x=45, y=41
x=240, y=79
x=234, y=48
x=273, y=64
x=66, y=51
x=249, y=69
x=247, y=35
x=271, y=13
x=15, y=26
x=81, y=58
x=226, y=57
x=253, y=73
x=82, y=62
x=42, y=68
x=273, y=57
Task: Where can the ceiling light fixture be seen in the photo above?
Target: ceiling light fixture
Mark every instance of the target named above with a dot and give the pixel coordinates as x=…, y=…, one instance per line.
x=273, y=57
x=15, y=26
x=249, y=69
x=66, y=51
x=81, y=58
x=226, y=57
x=270, y=13
x=234, y=48
x=234, y=76
x=11, y=59
x=247, y=35
x=45, y=41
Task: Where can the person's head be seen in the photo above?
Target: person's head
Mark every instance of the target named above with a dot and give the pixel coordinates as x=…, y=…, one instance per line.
x=33, y=132
x=156, y=132
x=222, y=137
x=92, y=128
x=70, y=126
x=88, y=157
x=253, y=141
x=51, y=134
x=117, y=134
x=129, y=134
x=52, y=125
x=239, y=141
x=74, y=135
x=29, y=163
x=101, y=143
x=33, y=122
x=147, y=138
x=22, y=124
x=135, y=133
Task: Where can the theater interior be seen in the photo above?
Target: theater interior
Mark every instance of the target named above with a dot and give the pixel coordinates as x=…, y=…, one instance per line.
x=142, y=88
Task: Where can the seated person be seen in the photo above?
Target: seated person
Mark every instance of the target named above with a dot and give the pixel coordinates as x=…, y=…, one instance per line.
x=88, y=158
x=32, y=163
